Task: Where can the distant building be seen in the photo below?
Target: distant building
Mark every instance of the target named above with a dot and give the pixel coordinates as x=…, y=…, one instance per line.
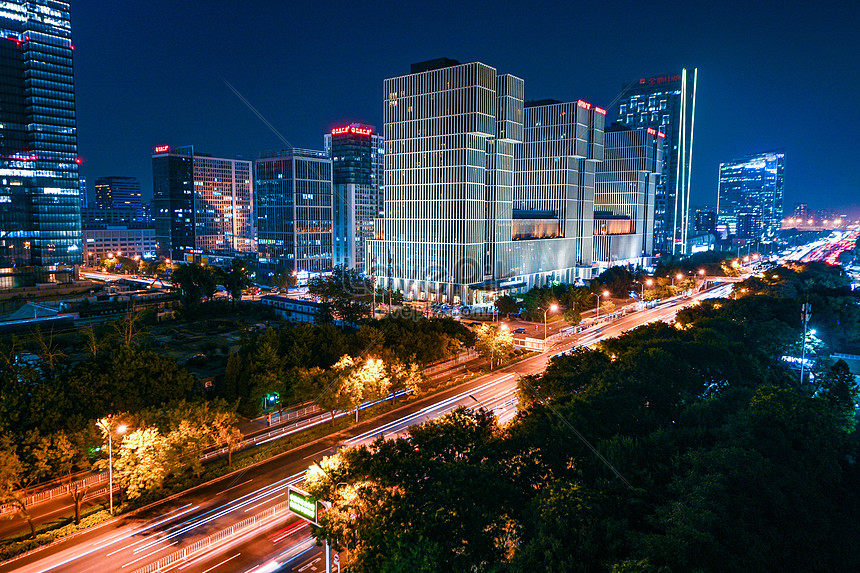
x=40, y=208
x=99, y=218
x=750, y=194
x=294, y=310
x=667, y=104
x=624, y=191
x=294, y=198
x=116, y=192
x=706, y=221
x=357, y=155
x=201, y=204
x=119, y=240
x=82, y=188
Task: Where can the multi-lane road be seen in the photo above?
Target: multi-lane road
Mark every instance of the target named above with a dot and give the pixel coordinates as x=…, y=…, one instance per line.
x=283, y=542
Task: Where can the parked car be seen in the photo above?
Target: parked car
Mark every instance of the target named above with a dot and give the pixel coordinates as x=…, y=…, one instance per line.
x=520, y=330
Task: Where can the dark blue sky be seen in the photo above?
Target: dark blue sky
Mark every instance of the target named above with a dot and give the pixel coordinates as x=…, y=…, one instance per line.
x=771, y=74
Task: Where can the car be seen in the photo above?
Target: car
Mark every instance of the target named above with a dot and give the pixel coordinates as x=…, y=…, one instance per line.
x=520, y=330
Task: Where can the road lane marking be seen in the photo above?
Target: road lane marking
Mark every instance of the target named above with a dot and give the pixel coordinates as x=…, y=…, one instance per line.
x=222, y=563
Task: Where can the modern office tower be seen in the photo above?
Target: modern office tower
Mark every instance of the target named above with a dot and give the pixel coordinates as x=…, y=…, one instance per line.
x=115, y=192
x=127, y=241
x=356, y=168
x=750, y=195
x=667, y=103
x=294, y=211
x=554, y=181
x=450, y=232
x=202, y=204
x=82, y=187
x=40, y=222
x=625, y=188
x=95, y=218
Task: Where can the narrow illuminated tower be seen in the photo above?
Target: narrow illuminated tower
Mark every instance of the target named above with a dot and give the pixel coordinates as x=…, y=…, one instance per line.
x=667, y=103
x=40, y=213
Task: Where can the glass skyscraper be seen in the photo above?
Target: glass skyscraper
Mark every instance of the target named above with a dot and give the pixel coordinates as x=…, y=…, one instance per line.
x=357, y=154
x=750, y=199
x=202, y=204
x=667, y=104
x=40, y=221
x=117, y=192
x=625, y=189
x=458, y=226
x=294, y=211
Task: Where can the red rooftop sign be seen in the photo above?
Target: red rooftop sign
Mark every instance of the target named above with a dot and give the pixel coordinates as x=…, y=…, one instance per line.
x=161, y=148
x=351, y=129
x=659, y=80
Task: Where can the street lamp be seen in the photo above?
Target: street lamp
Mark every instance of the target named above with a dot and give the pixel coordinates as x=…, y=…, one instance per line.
x=552, y=307
x=648, y=282
x=604, y=293
x=105, y=425
x=679, y=276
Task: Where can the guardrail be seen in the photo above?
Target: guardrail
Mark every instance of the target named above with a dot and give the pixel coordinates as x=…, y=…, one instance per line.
x=442, y=366
x=58, y=491
x=211, y=540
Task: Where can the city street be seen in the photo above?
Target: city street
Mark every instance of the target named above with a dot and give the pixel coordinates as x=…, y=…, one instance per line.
x=131, y=542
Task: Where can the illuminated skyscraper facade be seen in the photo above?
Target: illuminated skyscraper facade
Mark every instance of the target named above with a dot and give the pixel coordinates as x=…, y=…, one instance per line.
x=750, y=199
x=461, y=221
x=357, y=155
x=294, y=211
x=202, y=204
x=667, y=104
x=625, y=189
x=40, y=222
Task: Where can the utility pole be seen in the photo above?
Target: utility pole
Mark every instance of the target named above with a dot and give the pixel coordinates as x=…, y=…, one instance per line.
x=373, y=284
x=805, y=315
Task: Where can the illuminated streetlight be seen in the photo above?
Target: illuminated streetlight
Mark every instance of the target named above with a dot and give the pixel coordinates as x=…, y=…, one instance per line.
x=679, y=276
x=105, y=425
x=604, y=293
x=552, y=307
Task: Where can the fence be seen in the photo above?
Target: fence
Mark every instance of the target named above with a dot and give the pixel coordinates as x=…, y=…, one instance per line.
x=459, y=359
x=211, y=540
x=58, y=491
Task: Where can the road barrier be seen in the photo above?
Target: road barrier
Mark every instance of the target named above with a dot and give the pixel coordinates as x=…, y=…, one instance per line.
x=207, y=542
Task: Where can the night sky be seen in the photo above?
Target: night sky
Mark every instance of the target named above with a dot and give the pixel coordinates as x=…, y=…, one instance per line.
x=771, y=74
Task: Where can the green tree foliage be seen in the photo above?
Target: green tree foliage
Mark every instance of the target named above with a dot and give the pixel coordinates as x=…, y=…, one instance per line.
x=494, y=344
x=195, y=281
x=143, y=462
x=618, y=281
x=685, y=448
x=507, y=305
x=234, y=278
x=353, y=382
x=346, y=292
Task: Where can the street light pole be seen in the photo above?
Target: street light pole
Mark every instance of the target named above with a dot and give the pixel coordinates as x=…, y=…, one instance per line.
x=597, y=294
x=106, y=426
x=551, y=307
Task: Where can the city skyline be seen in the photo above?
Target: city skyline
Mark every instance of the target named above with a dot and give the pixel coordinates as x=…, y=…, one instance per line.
x=747, y=91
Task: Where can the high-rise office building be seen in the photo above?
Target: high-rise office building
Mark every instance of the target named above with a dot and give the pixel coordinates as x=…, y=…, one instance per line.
x=40, y=222
x=706, y=221
x=450, y=230
x=667, y=104
x=750, y=194
x=202, y=204
x=625, y=189
x=116, y=192
x=82, y=187
x=294, y=211
x=357, y=154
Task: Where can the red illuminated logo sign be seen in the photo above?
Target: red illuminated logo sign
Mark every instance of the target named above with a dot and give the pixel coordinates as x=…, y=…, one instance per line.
x=161, y=148
x=651, y=131
x=600, y=110
x=583, y=104
x=352, y=129
x=659, y=80
x=661, y=134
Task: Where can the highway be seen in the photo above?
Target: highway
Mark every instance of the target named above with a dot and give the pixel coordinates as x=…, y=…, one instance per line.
x=131, y=542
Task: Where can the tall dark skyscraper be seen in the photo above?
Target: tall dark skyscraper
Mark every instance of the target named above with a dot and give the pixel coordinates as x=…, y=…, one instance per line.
x=173, y=200
x=667, y=103
x=40, y=218
x=117, y=192
x=357, y=155
x=751, y=194
x=294, y=211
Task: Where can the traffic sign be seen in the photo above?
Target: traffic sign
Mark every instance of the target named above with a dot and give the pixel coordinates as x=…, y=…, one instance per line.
x=303, y=504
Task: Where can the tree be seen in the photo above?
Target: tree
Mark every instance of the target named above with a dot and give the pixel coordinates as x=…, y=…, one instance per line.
x=195, y=281
x=607, y=307
x=143, y=462
x=404, y=377
x=839, y=389
x=507, y=305
x=13, y=480
x=235, y=278
x=223, y=432
x=353, y=382
x=493, y=344
x=572, y=316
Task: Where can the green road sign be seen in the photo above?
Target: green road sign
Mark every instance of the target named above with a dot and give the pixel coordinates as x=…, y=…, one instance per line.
x=302, y=504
